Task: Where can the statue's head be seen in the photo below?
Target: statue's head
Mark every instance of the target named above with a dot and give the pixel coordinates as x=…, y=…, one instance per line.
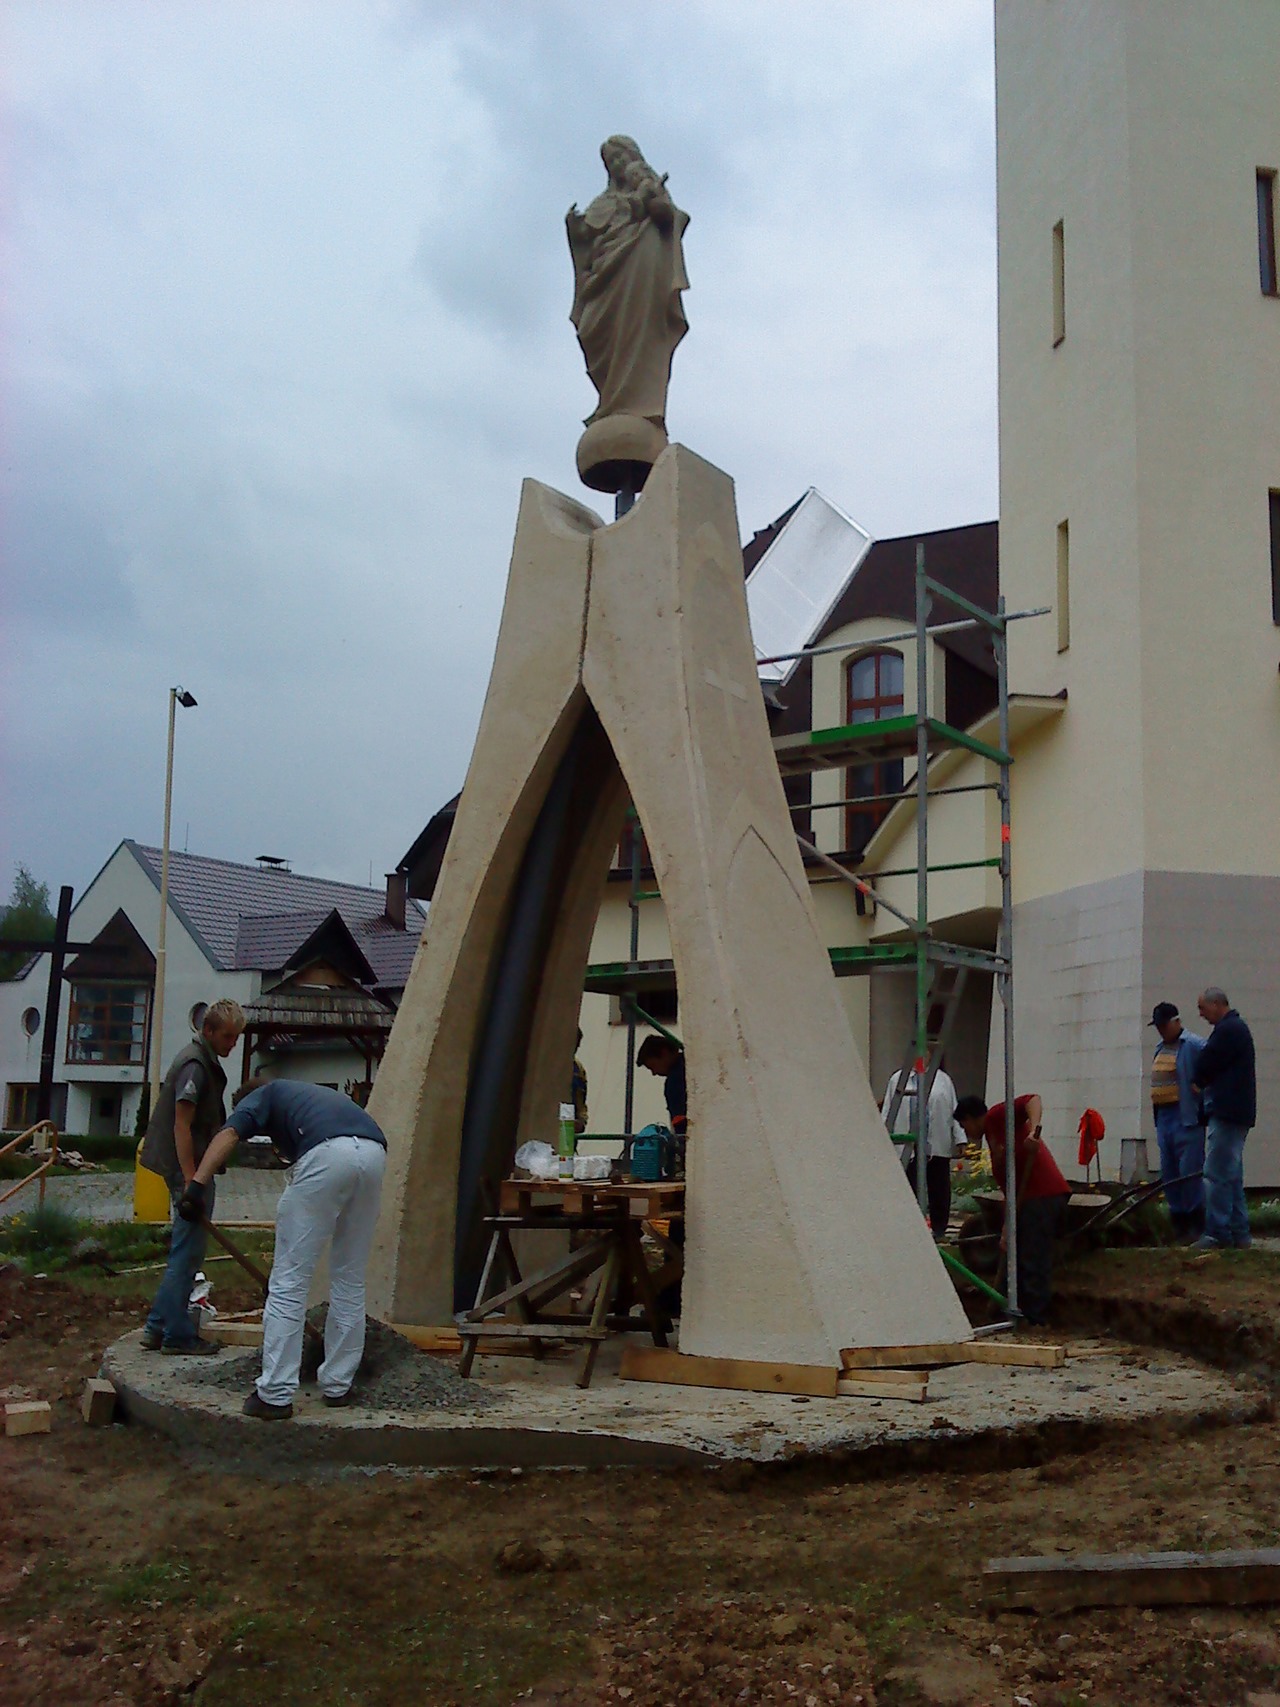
x=619, y=152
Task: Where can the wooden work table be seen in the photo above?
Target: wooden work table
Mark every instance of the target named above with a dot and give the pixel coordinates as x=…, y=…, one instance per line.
x=606, y=1219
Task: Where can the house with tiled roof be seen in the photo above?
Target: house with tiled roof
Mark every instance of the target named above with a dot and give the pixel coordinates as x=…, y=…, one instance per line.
x=319, y=967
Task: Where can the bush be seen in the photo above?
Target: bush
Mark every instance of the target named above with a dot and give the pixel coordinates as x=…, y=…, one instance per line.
x=46, y=1238
x=46, y=1232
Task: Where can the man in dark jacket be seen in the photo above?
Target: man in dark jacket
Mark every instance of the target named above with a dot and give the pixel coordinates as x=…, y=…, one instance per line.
x=1225, y=1072
x=188, y=1111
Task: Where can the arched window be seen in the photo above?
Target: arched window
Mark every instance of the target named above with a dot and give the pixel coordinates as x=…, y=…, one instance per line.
x=873, y=690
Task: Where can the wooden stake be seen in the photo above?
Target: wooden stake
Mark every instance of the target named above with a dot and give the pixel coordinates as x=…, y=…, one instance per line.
x=855, y=1387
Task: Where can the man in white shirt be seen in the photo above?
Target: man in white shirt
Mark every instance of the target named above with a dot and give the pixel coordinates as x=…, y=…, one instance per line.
x=942, y=1135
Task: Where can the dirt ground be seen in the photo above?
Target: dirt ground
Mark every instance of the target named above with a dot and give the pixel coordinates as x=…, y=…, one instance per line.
x=130, y=1577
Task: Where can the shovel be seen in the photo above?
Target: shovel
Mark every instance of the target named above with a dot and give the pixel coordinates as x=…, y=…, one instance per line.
x=251, y=1268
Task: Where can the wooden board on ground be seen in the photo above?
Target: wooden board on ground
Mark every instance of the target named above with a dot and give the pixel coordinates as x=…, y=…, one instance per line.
x=98, y=1407
x=233, y=1333
x=915, y=1392
x=655, y=1363
x=28, y=1416
x=1240, y=1577
x=446, y=1341
x=1017, y=1355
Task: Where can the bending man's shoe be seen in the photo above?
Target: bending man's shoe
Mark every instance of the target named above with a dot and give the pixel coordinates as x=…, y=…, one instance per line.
x=256, y=1406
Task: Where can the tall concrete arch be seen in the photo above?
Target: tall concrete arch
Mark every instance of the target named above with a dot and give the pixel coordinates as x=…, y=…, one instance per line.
x=624, y=667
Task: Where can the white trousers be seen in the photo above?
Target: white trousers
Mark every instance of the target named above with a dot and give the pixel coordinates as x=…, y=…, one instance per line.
x=333, y=1195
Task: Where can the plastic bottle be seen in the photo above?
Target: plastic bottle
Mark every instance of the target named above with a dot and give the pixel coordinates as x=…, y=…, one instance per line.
x=568, y=1139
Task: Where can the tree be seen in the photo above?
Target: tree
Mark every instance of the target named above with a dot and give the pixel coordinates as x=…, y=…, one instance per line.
x=27, y=915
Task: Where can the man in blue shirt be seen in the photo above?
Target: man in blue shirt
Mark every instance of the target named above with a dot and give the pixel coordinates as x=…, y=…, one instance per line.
x=1226, y=1071
x=665, y=1060
x=338, y=1155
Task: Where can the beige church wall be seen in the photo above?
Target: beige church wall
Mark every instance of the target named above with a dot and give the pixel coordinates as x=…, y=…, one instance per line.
x=1089, y=966
x=1078, y=1013
x=1153, y=429
x=1202, y=928
x=1205, y=97
x=1069, y=435
x=961, y=827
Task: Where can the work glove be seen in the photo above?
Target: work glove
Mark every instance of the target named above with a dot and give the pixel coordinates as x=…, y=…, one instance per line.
x=191, y=1203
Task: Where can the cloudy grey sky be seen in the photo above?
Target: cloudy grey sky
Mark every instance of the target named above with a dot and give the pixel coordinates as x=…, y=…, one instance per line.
x=288, y=292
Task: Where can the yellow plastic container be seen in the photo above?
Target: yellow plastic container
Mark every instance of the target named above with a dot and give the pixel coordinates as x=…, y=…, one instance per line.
x=150, y=1193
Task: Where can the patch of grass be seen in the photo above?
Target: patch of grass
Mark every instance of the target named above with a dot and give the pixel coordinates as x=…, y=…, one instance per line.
x=1264, y=1218
x=154, y=1584
x=45, y=1237
x=44, y=1233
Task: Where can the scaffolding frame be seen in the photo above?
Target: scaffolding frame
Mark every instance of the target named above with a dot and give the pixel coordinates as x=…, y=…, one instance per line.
x=925, y=737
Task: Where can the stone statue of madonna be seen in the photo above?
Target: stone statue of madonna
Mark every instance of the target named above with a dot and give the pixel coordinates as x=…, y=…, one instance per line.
x=628, y=266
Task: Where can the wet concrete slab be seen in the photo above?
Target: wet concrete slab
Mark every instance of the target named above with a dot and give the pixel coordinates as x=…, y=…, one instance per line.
x=541, y=1418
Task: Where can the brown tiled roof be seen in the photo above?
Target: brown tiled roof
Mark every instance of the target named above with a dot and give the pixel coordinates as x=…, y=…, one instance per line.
x=212, y=896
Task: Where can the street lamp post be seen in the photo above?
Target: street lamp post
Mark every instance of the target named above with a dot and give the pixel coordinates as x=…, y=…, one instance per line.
x=177, y=697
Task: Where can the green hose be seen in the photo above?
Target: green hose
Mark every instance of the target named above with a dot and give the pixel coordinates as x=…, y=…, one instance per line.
x=957, y=1267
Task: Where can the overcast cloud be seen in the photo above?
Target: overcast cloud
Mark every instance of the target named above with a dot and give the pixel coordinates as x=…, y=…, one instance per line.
x=288, y=322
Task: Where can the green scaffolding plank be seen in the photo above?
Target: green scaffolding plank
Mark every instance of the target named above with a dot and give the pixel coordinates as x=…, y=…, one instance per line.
x=847, y=961
x=847, y=743
x=947, y=736
x=616, y=977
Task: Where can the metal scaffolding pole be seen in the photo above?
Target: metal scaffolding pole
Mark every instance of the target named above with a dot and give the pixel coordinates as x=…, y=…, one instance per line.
x=922, y=883
x=1004, y=978
x=628, y=1109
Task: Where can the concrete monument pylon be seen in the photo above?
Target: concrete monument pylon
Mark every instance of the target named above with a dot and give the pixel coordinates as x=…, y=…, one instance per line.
x=624, y=668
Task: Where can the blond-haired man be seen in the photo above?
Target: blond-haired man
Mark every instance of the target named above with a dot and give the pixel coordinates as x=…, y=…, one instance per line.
x=188, y=1111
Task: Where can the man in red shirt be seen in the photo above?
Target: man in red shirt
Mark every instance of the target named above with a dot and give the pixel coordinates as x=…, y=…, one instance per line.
x=1041, y=1191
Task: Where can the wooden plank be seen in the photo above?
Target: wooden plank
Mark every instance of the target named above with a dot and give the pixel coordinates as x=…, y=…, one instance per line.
x=446, y=1340
x=233, y=1333
x=98, y=1407
x=528, y=1331
x=855, y=1387
x=28, y=1416
x=654, y=1363
x=1240, y=1577
x=893, y=1377
x=1017, y=1355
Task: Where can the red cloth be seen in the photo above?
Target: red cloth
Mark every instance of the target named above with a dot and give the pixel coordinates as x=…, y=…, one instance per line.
x=1093, y=1129
x=1045, y=1178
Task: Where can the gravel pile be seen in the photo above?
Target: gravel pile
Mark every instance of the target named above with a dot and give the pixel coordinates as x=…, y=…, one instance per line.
x=393, y=1376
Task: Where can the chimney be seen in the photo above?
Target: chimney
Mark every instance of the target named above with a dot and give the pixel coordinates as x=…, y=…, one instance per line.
x=397, y=894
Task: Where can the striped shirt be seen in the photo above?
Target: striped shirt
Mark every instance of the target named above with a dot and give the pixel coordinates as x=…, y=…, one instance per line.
x=1164, y=1076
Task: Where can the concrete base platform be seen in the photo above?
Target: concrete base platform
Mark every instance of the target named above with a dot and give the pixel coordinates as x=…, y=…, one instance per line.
x=541, y=1418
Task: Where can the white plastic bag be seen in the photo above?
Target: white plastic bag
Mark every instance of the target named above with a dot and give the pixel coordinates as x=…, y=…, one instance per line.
x=538, y=1159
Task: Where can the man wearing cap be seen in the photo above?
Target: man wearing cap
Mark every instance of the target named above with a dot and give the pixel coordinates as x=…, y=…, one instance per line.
x=1179, y=1115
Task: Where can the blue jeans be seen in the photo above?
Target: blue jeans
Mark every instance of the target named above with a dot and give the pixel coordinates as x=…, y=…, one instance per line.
x=1226, y=1221
x=169, y=1314
x=1181, y=1152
